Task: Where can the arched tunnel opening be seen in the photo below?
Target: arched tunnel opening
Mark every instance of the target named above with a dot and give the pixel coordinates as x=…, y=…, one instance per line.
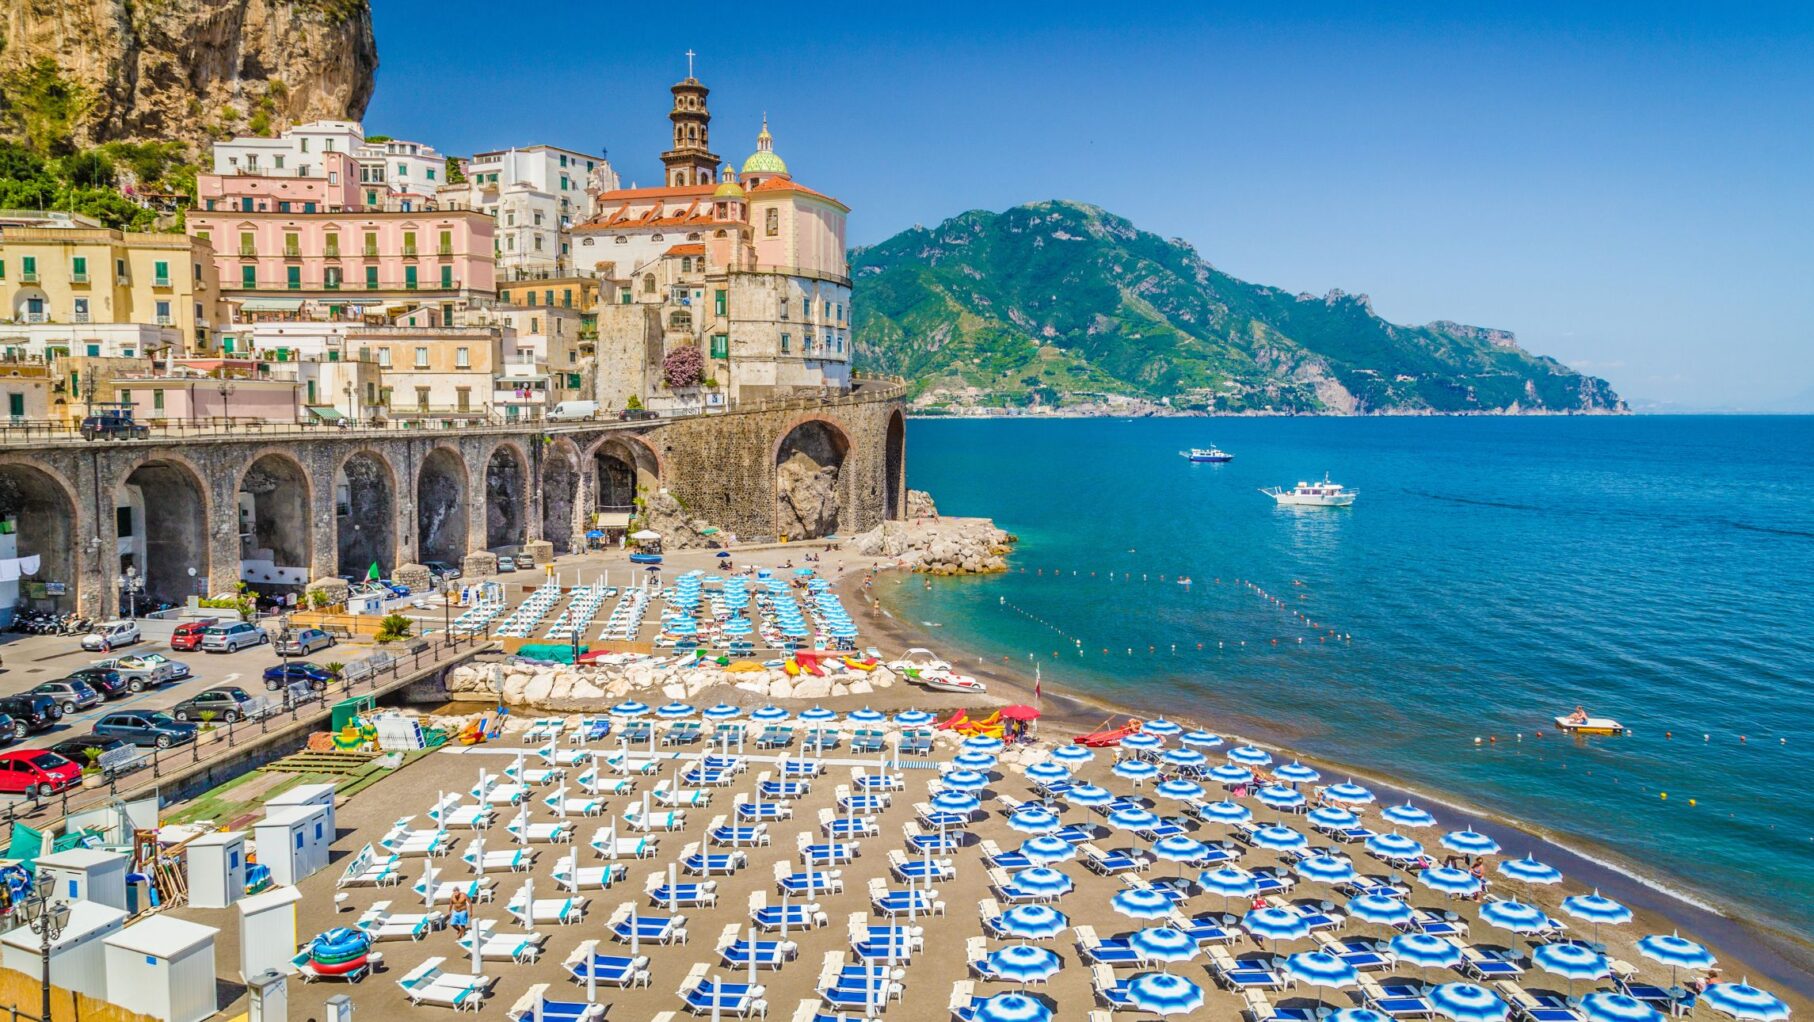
x=364, y=515
x=166, y=514
x=37, y=521
x=809, y=480
x=441, y=508
x=274, y=532
x=894, y=469
x=505, y=496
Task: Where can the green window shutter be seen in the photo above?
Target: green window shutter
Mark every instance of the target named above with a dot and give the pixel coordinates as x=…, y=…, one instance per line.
x=409, y=277
x=80, y=265
x=293, y=275
x=371, y=278
x=721, y=346
x=447, y=277
x=718, y=301
x=248, y=277
x=160, y=272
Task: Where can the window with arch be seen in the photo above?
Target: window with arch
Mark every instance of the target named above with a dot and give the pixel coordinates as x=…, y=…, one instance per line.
x=648, y=283
x=655, y=237
x=622, y=240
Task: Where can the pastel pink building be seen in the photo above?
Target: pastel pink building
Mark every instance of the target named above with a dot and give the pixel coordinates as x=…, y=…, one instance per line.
x=417, y=255
x=335, y=190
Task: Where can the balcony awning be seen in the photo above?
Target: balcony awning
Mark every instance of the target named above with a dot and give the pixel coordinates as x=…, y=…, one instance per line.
x=326, y=413
x=271, y=304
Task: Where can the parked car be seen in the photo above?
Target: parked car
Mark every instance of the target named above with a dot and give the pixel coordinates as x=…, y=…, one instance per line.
x=143, y=672
x=71, y=694
x=105, y=680
x=284, y=675
x=6, y=729
x=304, y=642
x=111, y=755
x=231, y=638
x=37, y=772
x=506, y=563
x=31, y=713
x=113, y=424
x=228, y=703
x=188, y=636
x=111, y=635
x=146, y=728
x=636, y=415
x=441, y=570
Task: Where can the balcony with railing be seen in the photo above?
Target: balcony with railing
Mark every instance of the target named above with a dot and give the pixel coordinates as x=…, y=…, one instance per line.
x=78, y=277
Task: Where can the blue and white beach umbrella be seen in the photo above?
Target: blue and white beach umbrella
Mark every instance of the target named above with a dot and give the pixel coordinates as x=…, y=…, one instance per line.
x=1325, y=869
x=722, y=711
x=1330, y=816
x=1141, y=903
x=978, y=761
x=1355, y=1015
x=1010, y=1008
x=1184, y=759
x=1466, y=1002
x=1280, y=797
x=1348, y=792
x=1072, y=755
x=1023, y=963
x=1596, y=908
x=674, y=711
x=1089, y=796
x=1160, y=726
x=1276, y=924
x=1048, y=772
x=1469, y=842
x=1675, y=951
x=1394, y=846
x=820, y=715
x=1033, y=820
x=1379, y=908
x=1225, y=812
x=1133, y=818
x=1143, y=742
x=1200, y=739
x=1605, y=1006
x=1407, y=815
x=1424, y=950
x=1515, y=916
x=1296, y=773
x=1321, y=969
x=1134, y=769
x=1046, y=849
x=1179, y=790
x=1247, y=755
x=1449, y=880
x=1229, y=882
x=983, y=743
x=865, y=716
x=1230, y=775
x=1279, y=839
x=965, y=780
x=769, y=715
x=952, y=800
x=1162, y=944
x=1164, y=994
x=1179, y=848
x=1530, y=871
x=1032, y=922
x=1570, y=961
x=738, y=626
x=629, y=708
x=1744, y=1001
x=1043, y=882
x=913, y=718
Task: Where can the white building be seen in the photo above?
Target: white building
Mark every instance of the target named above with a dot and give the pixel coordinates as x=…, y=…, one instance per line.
x=392, y=173
x=536, y=193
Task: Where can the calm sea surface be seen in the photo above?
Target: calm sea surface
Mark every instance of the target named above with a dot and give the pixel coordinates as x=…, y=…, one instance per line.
x=1494, y=573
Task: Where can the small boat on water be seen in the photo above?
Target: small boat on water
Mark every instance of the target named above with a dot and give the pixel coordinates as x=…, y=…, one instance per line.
x=1212, y=453
x=1324, y=494
x=1591, y=726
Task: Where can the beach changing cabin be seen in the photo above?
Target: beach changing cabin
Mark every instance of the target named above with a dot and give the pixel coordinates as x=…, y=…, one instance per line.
x=217, y=869
x=163, y=967
x=78, y=959
x=306, y=795
x=293, y=842
x=82, y=874
x=267, y=931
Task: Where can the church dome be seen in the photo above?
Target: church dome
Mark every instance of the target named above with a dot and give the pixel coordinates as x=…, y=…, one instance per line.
x=730, y=189
x=764, y=161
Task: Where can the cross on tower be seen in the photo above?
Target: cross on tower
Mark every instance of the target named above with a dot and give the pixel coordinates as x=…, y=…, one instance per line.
x=690, y=56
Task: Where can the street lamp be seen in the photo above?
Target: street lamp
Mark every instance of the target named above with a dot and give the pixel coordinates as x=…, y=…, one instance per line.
x=131, y=584
x=226, y=400
x=46, y=919
x=347, y=389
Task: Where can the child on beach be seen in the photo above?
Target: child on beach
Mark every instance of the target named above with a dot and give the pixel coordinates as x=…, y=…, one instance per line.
x=459, y=914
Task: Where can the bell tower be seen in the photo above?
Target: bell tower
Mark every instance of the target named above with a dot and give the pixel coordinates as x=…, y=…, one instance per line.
x=691, y=162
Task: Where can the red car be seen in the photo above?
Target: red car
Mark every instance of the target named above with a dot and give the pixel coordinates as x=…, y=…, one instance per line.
x=24, y=771
x=188, y=635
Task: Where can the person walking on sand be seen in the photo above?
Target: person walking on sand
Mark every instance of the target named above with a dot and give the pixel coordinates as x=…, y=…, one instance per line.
x=459, y=914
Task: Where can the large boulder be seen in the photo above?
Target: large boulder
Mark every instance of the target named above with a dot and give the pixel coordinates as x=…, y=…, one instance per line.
x=679, y=530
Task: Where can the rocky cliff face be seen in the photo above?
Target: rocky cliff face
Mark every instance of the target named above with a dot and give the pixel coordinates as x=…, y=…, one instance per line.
x=80, y=72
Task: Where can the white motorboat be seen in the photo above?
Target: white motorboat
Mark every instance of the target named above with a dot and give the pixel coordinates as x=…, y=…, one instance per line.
x=917, y=661
x=1324, y=494
x=946, y=681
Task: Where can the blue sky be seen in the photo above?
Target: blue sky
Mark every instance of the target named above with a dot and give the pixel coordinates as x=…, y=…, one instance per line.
x=1629, y=188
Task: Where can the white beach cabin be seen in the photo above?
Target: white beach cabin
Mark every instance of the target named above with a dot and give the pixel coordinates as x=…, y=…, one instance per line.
x=78, y=959
x=267, y=931
x=163, y=967
x=306, y=795
x=82, y=874
x=217, y=869
x=293, y=842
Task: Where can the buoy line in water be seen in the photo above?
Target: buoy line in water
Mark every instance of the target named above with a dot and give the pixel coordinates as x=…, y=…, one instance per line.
x=1189, y=584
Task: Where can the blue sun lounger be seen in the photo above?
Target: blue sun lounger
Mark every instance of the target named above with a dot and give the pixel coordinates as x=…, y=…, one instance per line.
x=899, y=903
x=1398, y=1000
x=859, y=986
x=766, y=811
x=797, y=767
x=807, y=883
x=683, y=894
x=611, y=970
x=1076, y=833
x=769, y=954
x=661, y=929
x=783, y=789
x=1207, y=928
x=1114, y=952
x=769, y=917
x=828, y=853
x=1245, y=973
x=706, y=777
x=849, y=826
x=739, y=837
x=909, y=870
x=939, y=819
x=1010, y=861
x=934, y=841
x=714, y=863
x=864, y=803
x=722, y=998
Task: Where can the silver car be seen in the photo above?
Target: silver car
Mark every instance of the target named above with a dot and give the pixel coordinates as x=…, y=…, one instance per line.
x=304, y=642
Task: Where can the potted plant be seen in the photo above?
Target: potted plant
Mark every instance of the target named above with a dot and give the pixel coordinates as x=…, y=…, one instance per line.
x=208, y=732
x=92, y=774
x=394, y=627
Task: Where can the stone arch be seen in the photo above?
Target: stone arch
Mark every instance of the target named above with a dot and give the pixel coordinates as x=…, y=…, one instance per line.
x=812, y=485
x=894, y=467
x=164, y=504
x=441, y=507
x=624, y=466
x=365, y=514
x=275, y=527
x=40, y=509
x=506, y=497
x=560, y=489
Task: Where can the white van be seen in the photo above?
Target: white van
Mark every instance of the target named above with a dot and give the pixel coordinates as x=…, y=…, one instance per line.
x=571, y=411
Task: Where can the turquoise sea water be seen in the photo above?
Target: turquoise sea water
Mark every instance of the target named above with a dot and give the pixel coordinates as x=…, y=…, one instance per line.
x=1493, y=574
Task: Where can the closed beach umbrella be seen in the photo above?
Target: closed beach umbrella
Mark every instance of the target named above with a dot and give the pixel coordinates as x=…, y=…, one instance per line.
x=1321, y=969
x=1200, y=739
x=1179, y=790
x=1394, y=846
x=1469, y=842
x=629, y=708
x=1089, y=796
x=1424, y=951
x=1160, y=726
x=722, y=711
x=1605, y=1006
x=1531, y=871
x=1570, y=961
x=979, y=761
x=1134, y=769
x=1296, y=773
x=1230, y=775
x=1048, y=772
x=913, y=718
x=1141, y=903
x=1164, y=994
x=1379, y=908
x=1046, y=849
x=1279, y=839
x=1330, y=816
x=1247, y=755
x=1184, y=759
x=1043, y=882
x=1225, y=812
x=1275, y=924
x=1033, y=820
x=1407, y=815
x=1515, y=916
x=1142, y=742
x=1229, y=882
x=1162, y=944
x=983, y=743
x=821, y=715
x=769, y=715
x=965, y=780
x=1072, y=755
x=953, y=801
x=1466, y=1002
x=1348, y=792
x=1325, y=869
x=1032, y=922
x=1280, y=797
x=1744, y=1001
x=1023, y=964
x=1449, y=880
x=1010, y=1008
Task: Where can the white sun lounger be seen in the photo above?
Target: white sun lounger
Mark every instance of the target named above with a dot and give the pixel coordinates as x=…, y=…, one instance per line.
x=383, y=924
x=501, y=860
x=367, y=869
x=565, y=911
x=427, y=984
x=574, y=878
x=498, y=946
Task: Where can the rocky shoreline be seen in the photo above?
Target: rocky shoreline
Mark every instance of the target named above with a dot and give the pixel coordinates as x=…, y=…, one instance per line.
x=931, y=544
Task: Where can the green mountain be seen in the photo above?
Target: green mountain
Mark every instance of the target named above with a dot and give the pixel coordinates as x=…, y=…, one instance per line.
x=1065, y=303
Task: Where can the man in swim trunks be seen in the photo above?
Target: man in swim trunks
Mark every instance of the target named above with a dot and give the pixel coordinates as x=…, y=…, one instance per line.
x=1578, y=717
x=459, y=914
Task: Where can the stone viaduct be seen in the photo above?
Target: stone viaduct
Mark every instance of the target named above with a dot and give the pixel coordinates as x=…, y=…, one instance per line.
x=289, y=508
